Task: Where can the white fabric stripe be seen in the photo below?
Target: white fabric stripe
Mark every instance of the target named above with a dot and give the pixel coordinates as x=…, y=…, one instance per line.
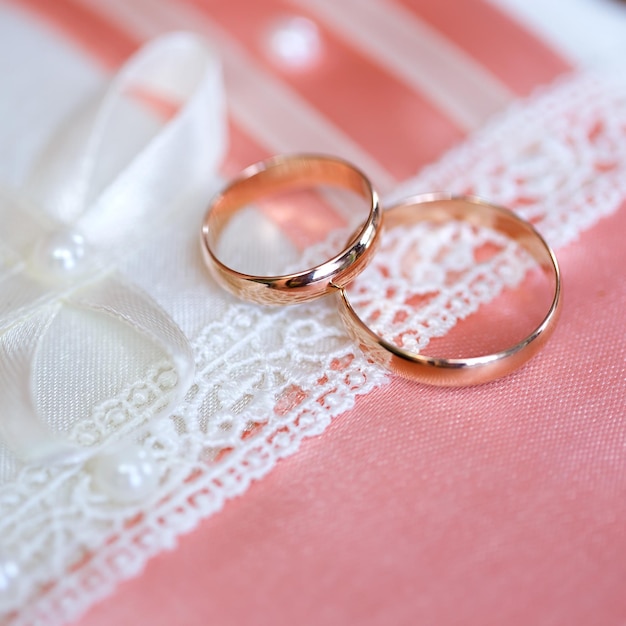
x=266, y=108
x=588, y=32
x=418, y=55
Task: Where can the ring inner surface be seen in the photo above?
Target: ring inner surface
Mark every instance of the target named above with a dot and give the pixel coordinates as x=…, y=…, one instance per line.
x=290, y=175
x=455, y=279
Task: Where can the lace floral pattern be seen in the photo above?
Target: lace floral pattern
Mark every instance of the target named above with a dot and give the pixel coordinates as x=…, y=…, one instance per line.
x=425, y=279
x=264, y=381
x=268, y=378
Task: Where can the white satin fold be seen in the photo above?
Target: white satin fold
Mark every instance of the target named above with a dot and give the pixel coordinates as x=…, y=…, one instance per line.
x=111, y=173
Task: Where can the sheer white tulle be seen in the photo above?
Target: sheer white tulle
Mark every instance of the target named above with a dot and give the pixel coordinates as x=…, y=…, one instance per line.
x=267, y=378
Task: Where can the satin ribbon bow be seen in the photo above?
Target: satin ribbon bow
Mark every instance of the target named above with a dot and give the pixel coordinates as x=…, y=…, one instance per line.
x=82, y=210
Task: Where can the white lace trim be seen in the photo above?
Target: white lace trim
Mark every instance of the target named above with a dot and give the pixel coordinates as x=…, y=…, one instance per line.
x=558, y=160
x=425, y=279
x=268, y=378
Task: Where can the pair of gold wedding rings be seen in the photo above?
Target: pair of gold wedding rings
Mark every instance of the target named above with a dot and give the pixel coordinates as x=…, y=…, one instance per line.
x=286, y=173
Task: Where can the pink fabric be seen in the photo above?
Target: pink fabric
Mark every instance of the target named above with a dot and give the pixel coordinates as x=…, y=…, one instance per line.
x=352, y=92
x=485, y=33
x=500, y=504
x=493, y=505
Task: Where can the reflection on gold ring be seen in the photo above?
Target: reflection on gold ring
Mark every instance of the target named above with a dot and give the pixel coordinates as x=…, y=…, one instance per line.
x=285, y=173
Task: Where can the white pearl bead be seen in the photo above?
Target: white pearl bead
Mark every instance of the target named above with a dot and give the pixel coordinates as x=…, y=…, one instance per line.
x=295, y=41
x=127, y=475
x=61, y=255
x=9, y=573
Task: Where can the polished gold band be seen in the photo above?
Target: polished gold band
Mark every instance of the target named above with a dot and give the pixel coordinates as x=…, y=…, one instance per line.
x=438, y=208
x=279, y=174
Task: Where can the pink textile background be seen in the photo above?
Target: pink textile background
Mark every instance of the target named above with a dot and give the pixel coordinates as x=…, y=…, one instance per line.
x=507, y=507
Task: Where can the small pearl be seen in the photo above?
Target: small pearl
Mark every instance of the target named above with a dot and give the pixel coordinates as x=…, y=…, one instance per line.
x=61, y=255
x=295, y=42
x=9, y=573
x=126, y=475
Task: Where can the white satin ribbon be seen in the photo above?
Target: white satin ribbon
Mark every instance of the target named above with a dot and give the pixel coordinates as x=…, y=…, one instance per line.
x=91, y=197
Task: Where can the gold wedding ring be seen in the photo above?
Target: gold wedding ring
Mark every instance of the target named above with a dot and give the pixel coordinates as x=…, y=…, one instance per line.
x=280, y=174
x=287, y=173
x=439, y=208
